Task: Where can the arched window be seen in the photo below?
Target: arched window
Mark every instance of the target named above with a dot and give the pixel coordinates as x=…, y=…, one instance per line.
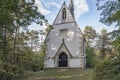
x=64, y=14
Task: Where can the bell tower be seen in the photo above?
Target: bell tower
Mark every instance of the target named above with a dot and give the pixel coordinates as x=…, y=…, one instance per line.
x=71, y=7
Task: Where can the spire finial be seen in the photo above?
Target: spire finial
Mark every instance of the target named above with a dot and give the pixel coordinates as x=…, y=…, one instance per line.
x=71, y=1
x=71, y=7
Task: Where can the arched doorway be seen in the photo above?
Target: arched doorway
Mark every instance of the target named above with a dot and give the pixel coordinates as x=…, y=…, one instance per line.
x=63, y=60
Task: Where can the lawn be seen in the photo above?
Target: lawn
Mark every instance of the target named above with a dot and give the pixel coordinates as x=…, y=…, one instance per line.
x=60, y=74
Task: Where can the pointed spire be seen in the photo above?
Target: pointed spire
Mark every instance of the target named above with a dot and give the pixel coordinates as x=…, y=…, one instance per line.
x=71, y=7
x=64, y=3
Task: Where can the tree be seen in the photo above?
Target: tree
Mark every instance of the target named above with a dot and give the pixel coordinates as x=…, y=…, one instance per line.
x=31, y=50
x=115, y=35
x=110, y=11
x=108, y=69
x=14, y=14
x=90, y=57
x=33, y=37
x=103, y=42
x=116, y=44
x=89, y=34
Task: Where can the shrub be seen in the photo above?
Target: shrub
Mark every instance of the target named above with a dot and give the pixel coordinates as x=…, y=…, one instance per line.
x=90, y=57
x=108, y=69
x=16, y=73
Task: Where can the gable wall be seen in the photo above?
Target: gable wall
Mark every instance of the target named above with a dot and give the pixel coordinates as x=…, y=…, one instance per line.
x=69, y=17
x=73, y=40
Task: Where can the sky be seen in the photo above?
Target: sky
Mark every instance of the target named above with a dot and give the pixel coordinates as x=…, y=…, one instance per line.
x=85, y=13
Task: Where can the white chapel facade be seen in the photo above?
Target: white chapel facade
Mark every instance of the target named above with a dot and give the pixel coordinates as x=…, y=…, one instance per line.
x=65, y=43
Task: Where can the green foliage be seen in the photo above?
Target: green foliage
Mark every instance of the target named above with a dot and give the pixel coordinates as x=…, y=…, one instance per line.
x=90, y=57
x=5, y=75
x=38, y=62
x=16, y=73
x=110, y=11
x=23, y=12
x=116, y=44
x=108, y=69
x=15, y=15
x=89, y=34
x=31, y=60
x=115, y=35
x=103, y=44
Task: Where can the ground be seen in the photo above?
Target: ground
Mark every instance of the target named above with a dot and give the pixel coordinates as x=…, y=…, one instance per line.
x=61, y=74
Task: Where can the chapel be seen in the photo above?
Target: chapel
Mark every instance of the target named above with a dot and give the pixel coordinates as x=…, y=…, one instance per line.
x=65, y=43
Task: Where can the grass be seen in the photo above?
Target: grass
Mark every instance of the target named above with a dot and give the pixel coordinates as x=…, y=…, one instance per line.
x=61, y=74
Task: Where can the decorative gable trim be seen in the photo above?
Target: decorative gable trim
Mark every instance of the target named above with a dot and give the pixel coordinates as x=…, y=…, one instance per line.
x=64, y=4
x=67, y=9
x=63, y=43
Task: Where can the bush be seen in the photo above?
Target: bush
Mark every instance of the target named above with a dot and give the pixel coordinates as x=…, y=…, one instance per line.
x=90, y=57
x=35, y=63
x=108, y=69
x=16, y=73
x=5, y=75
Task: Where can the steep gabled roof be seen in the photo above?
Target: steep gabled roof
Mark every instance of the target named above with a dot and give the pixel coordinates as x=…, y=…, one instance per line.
x=59, y=15
x=69, y=17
